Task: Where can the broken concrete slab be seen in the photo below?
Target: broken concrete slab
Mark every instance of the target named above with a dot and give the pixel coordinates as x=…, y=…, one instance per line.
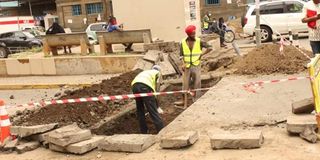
x=11, y=145
x=309, y=134
x=166, y=68
x=57, y=148
x=297, y=123
x=29, y=146
x=143, y=65
x=239, y=140
x=152, y=56
x=135, y=143
x=68, y=135
x=303, y=106
x=24, y=131
x=85, y=146
x=179, y=140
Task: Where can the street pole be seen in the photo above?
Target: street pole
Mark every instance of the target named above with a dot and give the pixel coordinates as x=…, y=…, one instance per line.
x=258, y=30
x=30, y=8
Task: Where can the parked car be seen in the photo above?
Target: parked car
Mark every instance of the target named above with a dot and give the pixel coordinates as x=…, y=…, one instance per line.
x=279, y=16
x=19, y=41
x=4, y=51
x=93, y=28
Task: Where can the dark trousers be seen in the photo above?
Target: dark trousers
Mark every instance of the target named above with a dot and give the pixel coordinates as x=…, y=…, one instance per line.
x=146, y=102
x=315, y=45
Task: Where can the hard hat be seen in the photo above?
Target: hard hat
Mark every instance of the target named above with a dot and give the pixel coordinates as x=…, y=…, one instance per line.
x=156, y=67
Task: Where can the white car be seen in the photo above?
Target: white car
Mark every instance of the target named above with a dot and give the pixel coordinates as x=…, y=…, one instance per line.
x=279, y=16
x=93, y=28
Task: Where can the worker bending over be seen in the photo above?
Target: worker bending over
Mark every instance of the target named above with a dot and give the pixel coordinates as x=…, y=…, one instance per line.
x=148, y=82
x=191, y=54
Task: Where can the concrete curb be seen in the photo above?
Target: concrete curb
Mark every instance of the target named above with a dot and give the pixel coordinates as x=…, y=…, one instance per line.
x=41, y=86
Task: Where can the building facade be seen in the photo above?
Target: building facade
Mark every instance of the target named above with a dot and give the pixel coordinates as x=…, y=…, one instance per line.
x=77, y=14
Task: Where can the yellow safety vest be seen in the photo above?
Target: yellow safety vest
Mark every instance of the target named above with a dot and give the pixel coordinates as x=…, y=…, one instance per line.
x=148, y=78
x=205, y=25
x=191, y=57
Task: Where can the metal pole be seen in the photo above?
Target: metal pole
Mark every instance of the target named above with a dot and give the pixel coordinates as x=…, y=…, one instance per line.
x=30, y=8
x=258, y=30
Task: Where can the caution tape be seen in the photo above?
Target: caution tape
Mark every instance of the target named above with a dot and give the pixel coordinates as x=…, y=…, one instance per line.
x=105, y=98
x=248, y=86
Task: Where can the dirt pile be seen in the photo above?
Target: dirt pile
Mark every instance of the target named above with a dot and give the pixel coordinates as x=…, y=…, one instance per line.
x=84, y=114
x=268, y=60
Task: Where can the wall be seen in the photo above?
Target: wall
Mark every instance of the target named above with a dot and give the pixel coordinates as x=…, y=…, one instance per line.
x=166, y=18
x=68, y=65
x=223, y=10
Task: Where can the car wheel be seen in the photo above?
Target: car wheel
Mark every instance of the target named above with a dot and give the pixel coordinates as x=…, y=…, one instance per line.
x=266, y=34
x=3, y=53
x=35, y=45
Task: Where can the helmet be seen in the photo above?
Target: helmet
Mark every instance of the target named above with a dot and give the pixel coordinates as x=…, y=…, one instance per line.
x=156, y=67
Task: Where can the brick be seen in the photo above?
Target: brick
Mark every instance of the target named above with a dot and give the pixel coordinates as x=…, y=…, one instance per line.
x=135, y=143
x=243, y=140
x=68, y=135
x=27, y=147
x=24, y=131
x=303, y=106
x=297, y=123
x=179, y=140
x=85, y=146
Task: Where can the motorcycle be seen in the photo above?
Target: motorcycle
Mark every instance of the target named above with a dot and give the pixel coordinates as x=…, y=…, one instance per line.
x=229, y=35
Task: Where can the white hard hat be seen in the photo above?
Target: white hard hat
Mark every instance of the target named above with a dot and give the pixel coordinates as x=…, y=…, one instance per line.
x=156, y=67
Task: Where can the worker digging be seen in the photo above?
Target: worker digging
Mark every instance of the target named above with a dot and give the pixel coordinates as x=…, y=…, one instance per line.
x=159, y=79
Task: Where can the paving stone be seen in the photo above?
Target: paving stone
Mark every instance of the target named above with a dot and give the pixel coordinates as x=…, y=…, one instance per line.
x=298, y=123
x=68, y=135
x=85, y=146
x=239, y=140
x=303, y=106
x=29, y=146
x=135, y=143
x=11, y=145
x=24, y=131
x=179, y=140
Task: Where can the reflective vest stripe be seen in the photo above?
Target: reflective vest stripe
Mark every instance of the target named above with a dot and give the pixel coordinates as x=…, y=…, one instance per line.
x=148, y=78
x=192, y=57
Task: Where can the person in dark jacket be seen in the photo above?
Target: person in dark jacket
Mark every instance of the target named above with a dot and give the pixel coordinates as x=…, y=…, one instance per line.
x=56, y=29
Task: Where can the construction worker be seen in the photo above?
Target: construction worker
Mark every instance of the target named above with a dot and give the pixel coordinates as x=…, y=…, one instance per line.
x=147, y=82
x=191, y=53
x=206, y=21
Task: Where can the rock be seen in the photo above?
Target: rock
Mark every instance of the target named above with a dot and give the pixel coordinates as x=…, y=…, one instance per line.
x=85, y=146
x=12, y=97
x=303, y=106
x=11, y=145
x=241, y=140
x=309, y=134
x=179, y=140
x=68, y=135
x=135, y=143
x=24, y=131
x=297, y=123
x=18, y=112
x=57, y=94
x=27, y=147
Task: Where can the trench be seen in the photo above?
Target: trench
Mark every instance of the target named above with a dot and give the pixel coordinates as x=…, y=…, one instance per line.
x=127, y=122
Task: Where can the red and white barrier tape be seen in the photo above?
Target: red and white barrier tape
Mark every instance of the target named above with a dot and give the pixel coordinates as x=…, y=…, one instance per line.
x=104, y=98
x=248, y=86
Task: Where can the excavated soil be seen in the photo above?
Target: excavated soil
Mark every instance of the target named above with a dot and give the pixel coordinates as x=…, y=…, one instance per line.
x=84, y=114
x=268, y=60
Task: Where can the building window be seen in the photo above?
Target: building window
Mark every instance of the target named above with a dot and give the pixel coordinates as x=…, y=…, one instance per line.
x=76, y=10
x=212, y=2
x=93, y=8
